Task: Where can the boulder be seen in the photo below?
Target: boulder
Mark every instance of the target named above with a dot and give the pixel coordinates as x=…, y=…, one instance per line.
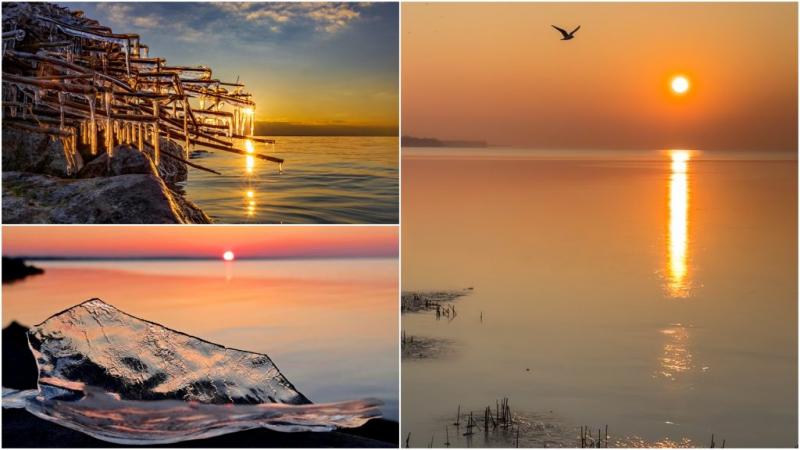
x=170, y=169
x=128, y=198
x=126, y=160
x=29, y=151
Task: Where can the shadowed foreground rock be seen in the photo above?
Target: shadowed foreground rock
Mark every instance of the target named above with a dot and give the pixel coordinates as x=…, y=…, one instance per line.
x=38, y=187
x=35, y=152
x=15, y=269
x=129, y=198
x=128, y=159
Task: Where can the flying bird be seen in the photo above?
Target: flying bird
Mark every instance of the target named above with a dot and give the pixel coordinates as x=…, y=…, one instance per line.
x=567, y=36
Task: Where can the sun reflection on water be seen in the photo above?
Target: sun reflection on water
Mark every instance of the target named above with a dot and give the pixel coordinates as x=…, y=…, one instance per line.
x=249, y=169
x=249, y=164
x=678, y=283
x=250, y=202
x=676, y=359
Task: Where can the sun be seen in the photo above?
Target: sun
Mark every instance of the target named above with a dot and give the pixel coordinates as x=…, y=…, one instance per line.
x=680, y=84
x=228, y=256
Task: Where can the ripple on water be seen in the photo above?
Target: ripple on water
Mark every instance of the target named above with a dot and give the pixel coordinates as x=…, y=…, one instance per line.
x=324, y=180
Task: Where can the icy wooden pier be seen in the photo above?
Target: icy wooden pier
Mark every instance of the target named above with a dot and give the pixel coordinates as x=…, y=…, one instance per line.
x=69, y=77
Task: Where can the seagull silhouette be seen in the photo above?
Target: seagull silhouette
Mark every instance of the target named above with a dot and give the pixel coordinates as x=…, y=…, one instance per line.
x=567, y=36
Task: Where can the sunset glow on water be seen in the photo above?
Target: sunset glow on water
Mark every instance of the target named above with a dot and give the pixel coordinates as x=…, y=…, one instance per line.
x=678, y=264
x=642, y=289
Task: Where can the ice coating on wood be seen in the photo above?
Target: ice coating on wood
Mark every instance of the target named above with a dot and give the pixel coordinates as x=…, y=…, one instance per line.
x=67, y=76
x=98, y=345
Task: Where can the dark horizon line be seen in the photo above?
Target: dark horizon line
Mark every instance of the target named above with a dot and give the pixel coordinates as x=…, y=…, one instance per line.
x=191, y=258
x=268, y=128
x=413, y=138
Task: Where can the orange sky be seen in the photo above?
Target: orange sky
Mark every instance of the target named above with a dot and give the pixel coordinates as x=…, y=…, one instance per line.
x=190, y=241
x=499, y=72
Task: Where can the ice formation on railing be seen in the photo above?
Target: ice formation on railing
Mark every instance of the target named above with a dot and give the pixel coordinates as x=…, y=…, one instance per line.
x=126, y=380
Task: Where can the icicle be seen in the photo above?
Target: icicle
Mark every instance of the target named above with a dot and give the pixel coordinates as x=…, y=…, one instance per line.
x=252, y=120
x=127, y=49
x=92, y=126
x=156, y=145
x=70, y=149
x=61, y=99
x=156, y=140
x=140, y=138
x=109, y=126
x=73, y=149
x=65, y=146
x=186, y=127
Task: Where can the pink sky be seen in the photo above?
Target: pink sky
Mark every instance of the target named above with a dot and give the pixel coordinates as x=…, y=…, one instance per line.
x=190, y=241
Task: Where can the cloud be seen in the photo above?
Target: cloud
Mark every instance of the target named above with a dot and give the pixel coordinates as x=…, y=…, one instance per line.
x=271, y=14
x=122, y=14
x=325, y=17
x=333, y=17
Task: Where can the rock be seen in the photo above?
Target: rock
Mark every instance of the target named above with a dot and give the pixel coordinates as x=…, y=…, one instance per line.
x=126, y=160
x=129, y=198
x=195, y=154
x=15, y=269
x=35, y=152
x=19, y=368
x=170, y=169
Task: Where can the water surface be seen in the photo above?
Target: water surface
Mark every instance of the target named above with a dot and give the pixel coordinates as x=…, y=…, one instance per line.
x=323, y=180
x=330, y=325
x=651, y=291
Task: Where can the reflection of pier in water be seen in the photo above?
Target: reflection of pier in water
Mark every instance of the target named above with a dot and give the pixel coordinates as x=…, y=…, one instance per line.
x=678, y=280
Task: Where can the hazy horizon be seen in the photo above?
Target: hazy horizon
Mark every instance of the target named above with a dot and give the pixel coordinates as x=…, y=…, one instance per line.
x=499, y=72
x=246, y=242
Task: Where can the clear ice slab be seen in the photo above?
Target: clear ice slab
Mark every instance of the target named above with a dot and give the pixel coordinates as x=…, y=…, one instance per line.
x=126, y=380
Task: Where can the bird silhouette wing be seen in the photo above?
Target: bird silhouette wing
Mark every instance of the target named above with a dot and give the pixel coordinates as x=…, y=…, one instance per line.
x=561, y=30
x=576, y=29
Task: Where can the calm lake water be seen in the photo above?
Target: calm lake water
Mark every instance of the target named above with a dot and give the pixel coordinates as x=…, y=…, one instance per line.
x=324, y=180
x=655, y=292
x=329, y=325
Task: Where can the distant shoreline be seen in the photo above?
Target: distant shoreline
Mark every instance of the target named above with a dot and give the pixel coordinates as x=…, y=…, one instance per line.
x=192, y=258
x=412, y=141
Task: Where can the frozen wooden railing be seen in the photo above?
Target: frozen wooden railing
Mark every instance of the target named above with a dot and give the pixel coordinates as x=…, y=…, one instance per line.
x=69, y=77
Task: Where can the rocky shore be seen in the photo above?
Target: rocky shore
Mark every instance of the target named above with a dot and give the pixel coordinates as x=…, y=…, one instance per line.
x=39, y=186
x=15, y=269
